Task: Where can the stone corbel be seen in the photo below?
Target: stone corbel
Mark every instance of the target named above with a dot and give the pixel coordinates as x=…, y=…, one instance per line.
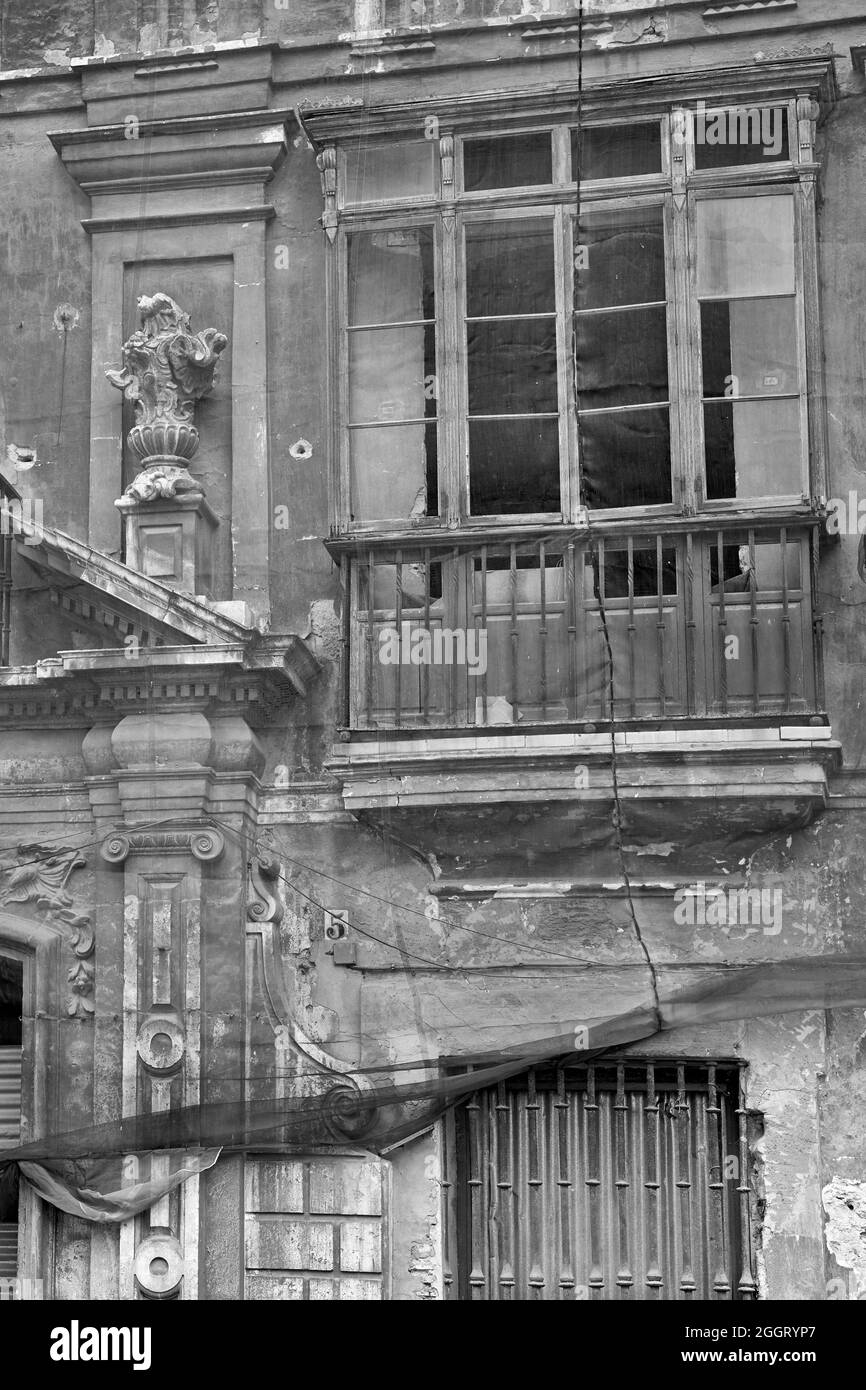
x=327, y=165
x=808, y=112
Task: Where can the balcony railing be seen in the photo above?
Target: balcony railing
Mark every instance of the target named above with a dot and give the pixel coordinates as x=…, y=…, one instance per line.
x=698, y=622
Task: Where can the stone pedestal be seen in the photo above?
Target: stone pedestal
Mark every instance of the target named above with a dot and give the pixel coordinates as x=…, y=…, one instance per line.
x=171, y=540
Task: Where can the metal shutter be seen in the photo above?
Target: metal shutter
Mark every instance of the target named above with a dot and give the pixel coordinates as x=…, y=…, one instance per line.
x=10, y=1125
x=600, y=1182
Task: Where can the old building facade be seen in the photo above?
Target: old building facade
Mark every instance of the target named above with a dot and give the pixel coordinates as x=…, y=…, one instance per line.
x=393, y=688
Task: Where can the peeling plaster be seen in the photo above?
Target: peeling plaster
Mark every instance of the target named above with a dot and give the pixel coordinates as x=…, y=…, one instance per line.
x=844, y=1201
x=325, y=629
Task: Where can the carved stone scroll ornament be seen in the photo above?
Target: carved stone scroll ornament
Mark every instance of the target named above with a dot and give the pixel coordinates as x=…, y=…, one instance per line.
x=166, y=369
x=265, y=910
x=202, y=843
x=39, y=874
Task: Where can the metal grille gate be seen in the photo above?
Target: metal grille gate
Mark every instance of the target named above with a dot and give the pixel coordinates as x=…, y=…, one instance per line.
x=603, y=1181
x=10, y=1122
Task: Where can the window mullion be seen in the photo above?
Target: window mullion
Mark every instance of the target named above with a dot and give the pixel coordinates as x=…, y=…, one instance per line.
x=565, y=374
x=337, y=310
x=452, y=464
x=684, y=356
x=812, y=386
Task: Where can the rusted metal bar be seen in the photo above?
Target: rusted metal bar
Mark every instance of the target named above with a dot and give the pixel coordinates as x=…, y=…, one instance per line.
x=535, y=1184
x=565, y=1189
x=504, y=1170
x=652, y=1185
x=723, y=623
x=542, y=629
x=515, y=635
x=477, y=1184
x=452, y=617
x=632, y=628
x=754, y=622
x=570, y=560
x=660, y=626
x=398, y=692
x=716, y=1179
x=786, y=618
x=691, y=681
x=622, y=1184
x=595, y=1256
x=371, y=634
x=683, y=1182
x=425, y=668
x=484, y=714
x=817, y=619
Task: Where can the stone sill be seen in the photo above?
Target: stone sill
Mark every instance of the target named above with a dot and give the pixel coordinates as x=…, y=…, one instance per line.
x=387, y=749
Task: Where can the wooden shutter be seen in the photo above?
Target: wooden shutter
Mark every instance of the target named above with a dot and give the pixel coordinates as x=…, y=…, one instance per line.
x=600, y=1182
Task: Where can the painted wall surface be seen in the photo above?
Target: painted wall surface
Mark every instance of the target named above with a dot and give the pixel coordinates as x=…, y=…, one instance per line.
x=486, y=970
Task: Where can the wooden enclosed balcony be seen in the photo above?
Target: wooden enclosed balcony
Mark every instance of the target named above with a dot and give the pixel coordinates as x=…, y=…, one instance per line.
x=698, y=621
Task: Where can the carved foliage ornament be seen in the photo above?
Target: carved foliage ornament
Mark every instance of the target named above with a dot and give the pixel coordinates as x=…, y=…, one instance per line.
x=166, y=369
x=39, y=874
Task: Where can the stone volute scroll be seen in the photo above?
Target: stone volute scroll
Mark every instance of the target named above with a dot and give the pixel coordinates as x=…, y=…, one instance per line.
x=166, y=370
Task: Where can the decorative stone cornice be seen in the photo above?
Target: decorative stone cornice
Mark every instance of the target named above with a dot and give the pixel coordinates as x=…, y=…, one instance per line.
x=248, y=680
x=117, y=164
x=764, y=81
x=166, y=370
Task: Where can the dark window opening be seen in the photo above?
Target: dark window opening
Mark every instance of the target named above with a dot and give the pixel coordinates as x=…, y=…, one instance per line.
x=651, y=574
x=621, y=359
x=616, y=151
x=512, y=368
x=393, y=381
x=510, y=161
x=742, y=135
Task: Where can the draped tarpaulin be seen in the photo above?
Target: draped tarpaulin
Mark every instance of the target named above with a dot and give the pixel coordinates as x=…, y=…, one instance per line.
x=91, y=1172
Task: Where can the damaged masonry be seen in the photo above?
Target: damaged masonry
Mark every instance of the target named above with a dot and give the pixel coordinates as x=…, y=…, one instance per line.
x=431, y=652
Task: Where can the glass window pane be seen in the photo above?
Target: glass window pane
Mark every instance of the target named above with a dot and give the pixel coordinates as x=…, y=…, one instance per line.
x=512, y=367
x=616, y=151
x=391, y=276
x=379, y=173
x=509, y=268
x=622, y=260
x=744, y=135
x=753, y=448
x=394, y=473
x=509, y=161
x=622, y=358
x=749, y=347
x=392, y=374
x=626, y=458
x=514, y=466
x=746, y=246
